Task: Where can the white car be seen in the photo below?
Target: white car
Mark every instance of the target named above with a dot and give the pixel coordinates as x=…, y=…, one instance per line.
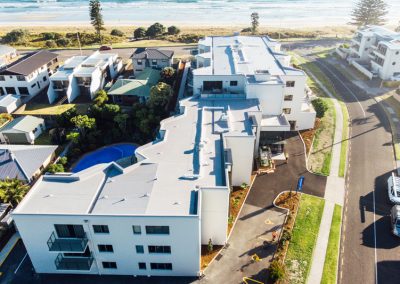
x=394, y=189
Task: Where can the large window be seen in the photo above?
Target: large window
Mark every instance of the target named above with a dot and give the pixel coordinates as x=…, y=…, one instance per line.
x=233, y=83
x=20, y=78
x=212, y=86
x=2, y=78
x=161, y=266
x=288, y=98
x=23, y=91
x=105, y=248
x=159, y=249
x=157, y=230
x=69, y=231
x=11, y=90
x=139, y=249
x=101, y=229
x=109, y=265
x=290, y=84
x=154, y=62
x=137, y=229
x=139, y=62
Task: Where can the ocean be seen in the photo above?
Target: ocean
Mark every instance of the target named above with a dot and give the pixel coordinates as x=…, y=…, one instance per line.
x=284, y=13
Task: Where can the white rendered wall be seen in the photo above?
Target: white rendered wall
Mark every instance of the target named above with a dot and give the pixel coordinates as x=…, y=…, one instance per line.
x=184, y=239
x=270, y=97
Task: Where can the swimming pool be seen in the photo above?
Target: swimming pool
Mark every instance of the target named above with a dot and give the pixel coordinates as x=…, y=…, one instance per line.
x=104, y=155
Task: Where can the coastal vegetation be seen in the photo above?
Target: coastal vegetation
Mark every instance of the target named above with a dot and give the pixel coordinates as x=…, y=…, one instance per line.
x=96, y=18
x=369, y=12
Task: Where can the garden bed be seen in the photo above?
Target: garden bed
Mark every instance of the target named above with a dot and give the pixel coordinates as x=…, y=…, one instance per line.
x=207, y=256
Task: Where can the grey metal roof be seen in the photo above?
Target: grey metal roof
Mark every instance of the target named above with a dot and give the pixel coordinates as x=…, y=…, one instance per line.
x=152, y=53
x=22, y=161
x=22, y=124
x=30, y=63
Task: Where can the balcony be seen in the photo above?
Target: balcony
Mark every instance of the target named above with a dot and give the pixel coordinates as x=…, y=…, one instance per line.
x=356, y=39
x=67, y=244
x=73, y=263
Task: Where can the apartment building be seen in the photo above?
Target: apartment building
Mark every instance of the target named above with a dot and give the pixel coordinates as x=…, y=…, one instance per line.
x=375, y=52
x=29, y=75
x=254, y=68
x=83, y=75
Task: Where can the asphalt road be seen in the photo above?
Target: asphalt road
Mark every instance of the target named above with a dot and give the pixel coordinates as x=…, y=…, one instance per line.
x=369, y=252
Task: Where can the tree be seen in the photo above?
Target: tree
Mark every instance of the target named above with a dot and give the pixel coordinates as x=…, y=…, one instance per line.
x=83, y=122
x=101, y=98
x=64, y=42
x=254, y=22
x=121, y=119
x=51, y=44
x=173, y=30
x=96, y=18
x=139, y=33
x=13, y=191
x=369, y=12
x=15, y=36
x=73, y=136
x=320, y=107
x=116, y=32
x=160, y=95
x=155, y=30
x=55, y=168
x=168, y=75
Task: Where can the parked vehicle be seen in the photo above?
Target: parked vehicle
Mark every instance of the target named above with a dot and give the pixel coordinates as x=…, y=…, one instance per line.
x=394, y=189
x=105, y=47
x=395, y=220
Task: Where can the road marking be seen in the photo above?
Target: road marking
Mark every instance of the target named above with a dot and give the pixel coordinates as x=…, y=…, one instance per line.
x=19, y=265
x=245, y=279
x=376, y=258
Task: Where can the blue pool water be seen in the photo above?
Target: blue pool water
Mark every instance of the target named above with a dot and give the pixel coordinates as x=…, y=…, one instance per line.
x=105, y=155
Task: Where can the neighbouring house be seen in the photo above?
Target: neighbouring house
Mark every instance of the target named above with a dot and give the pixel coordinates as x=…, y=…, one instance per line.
x=151, y=218
x=128, y=91
x=9, y=103
x=151, y=57
x=5, y=215
x=83, y=76
x=375, y=52
x=29, y=75
x=22, y=130
x=25, y=162
x=7, y=54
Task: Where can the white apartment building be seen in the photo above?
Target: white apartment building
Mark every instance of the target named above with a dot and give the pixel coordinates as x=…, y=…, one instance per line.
x=375, y=52
x=254, y=68
x=83, y=75
x=28, y=75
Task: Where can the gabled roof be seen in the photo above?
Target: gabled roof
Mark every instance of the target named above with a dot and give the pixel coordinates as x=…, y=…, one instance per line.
x=22, y=124
x=29, y=63
x=152, y=53
x=136, y=87
x=22, y=161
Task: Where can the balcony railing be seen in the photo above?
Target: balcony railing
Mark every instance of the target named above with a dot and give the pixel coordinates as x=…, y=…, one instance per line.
x=73, y=263
x=67, y=244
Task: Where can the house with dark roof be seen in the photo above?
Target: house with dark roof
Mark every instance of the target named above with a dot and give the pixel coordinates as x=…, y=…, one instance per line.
x=24, y=162
x=151, y=57
x=28, y=75
x=22, y=130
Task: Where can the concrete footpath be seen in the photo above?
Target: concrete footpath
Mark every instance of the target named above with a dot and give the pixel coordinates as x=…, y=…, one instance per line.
x=334, y=194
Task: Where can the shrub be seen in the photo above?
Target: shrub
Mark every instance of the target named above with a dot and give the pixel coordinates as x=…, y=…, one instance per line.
x=55, y=168
x=51, y=44
x=116, y=32
x=320, y=107
x=139, y=33
x=173, y=30
x=286, y=236
x=15, y=36
x=50, y=36
x=277, y=271
x=155, y=30
x=64, y=42
x=246, y=30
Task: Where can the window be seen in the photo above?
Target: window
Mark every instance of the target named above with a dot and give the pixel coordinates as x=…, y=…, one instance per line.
x=139, y=249
x=154, y=62
x=23, y=90
x=69, y=231
x=109, y=265
x=290, y=84
x=34, y=130
x=11, y=90
x=105, y=248
x=101, y=229
x=137, y=229
x=397, y=52
x=20, y=78
x=157, y=230
x=142, y=265
x=287, y=110
x=2, y=78
x=233, y=83
x=159, y=249
x=44, y=79
x=394, y=63
x=139, y=62
x=288, y=98
x=161, y=266
x=33, y=86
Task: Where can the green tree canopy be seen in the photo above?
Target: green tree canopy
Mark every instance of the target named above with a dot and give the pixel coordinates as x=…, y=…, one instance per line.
x=320, y=107
x=83, y=123
x=369, y=12
x=96, y=18
x=168, y=75
x=254, y=22
x=117, y=32
x=139, y=33
x=73, y=136
x=55, y=168
x=160, y=95
x=13, y=191
x=173, y=30
x=15, y=36
x=101, y=98
x=155, y=30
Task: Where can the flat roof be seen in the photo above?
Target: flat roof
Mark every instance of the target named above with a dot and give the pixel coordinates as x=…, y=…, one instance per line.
x=188, y=157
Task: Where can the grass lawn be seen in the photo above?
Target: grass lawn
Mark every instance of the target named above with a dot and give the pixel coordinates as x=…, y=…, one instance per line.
x=345, y=141
x=304, y=237
x=329, y=275
x=44, y=139
x=45, y=109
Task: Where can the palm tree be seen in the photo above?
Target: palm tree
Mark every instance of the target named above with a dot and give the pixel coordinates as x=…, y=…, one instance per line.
x=13, y=191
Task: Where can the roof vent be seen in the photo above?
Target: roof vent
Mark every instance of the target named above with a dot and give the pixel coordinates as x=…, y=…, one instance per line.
x=48, y=195
x=146, y=194
x=176, y=203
